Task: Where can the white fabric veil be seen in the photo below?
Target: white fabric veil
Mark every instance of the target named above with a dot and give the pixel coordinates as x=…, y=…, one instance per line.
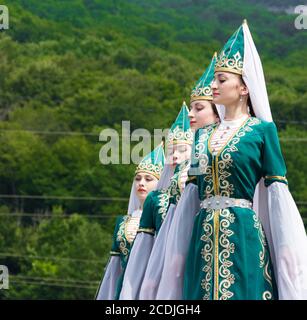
x=165, y=179
x=134, y=202
x=274, y=205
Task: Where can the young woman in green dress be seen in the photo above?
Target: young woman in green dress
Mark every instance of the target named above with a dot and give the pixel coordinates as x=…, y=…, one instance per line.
x=248, y=239
x=146, y=178
x=147, y=259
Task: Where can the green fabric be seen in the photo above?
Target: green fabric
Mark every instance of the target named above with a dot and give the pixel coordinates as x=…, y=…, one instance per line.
x=202, y=89
x=157, y=203
x=228, y=249
x=232, y=54
x=180, y=131
x=153, y=162
x=123, y=247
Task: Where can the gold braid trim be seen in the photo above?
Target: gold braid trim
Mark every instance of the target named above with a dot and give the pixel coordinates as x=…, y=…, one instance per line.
x=114, y=253
x=147, y=230
x=277, y=177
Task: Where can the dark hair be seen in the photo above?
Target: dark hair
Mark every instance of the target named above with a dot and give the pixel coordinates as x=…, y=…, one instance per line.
x=249, y=102
x=215, y=109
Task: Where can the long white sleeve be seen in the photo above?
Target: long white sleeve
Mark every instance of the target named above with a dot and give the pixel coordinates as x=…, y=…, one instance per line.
x=136, y=266
x=288, y=238
x=178, y=242
x=156, y=261
x=108, y=285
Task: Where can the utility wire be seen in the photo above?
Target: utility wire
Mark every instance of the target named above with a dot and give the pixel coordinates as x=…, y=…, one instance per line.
x=58, y=280
x=16, y=255
x=50, y=215
x=41, y=283
x=62, y=197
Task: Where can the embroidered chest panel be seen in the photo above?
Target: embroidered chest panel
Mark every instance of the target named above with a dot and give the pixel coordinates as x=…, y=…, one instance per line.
x=173, y=192
x=215, y=168
x=126, y=233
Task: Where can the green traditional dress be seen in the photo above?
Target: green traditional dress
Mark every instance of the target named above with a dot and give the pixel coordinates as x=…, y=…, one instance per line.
x=158, y=202
x=125, y=230
x=124, y=234
x=228, y=256
x=155, y=210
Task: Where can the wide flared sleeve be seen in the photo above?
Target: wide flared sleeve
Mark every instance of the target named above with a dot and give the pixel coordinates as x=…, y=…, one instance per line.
x=108, y=286
x=155, y=264
x=178, y=242
x=273, y=164
x=113, y=271
x=282, y=223
x=147, y=223
x=140, y=253
x=136, y=266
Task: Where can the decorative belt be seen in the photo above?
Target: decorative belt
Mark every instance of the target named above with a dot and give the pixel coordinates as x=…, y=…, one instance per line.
x=222, y=202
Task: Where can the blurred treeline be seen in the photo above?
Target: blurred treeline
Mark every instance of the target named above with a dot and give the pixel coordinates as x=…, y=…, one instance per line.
x=72, y=68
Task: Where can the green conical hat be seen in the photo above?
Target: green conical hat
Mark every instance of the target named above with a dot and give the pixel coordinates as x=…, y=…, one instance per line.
x=180, y=131
x=230, y=59
x=202, y=89
x=153, y=162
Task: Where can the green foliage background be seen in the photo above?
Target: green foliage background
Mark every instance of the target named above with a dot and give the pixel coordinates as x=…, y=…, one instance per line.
x=82, y=66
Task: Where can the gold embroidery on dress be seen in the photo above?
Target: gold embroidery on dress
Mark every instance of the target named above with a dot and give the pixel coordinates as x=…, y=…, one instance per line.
x=264, y=258
x=228, y=248
x=225, y=162
x=163, y=197
x=216, y=253
x=173, y=191
x=276, y=177
x=114, y=253
x=207, y=254
x=201, y=156
x=218, y=174
x=267, y=295
x=121, y=238
x=146, y=230
x=131, y=227
x=217, y=264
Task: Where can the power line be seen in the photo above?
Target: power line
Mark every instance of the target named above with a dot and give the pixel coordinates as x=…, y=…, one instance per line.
x=80, y=133
x=19, y=281
x=73, y=281
x=291, y=121
x=293, y=139
x=16, y=255
x=77, y=198
x=62, y=197
x=51, y=215
x=72, y=133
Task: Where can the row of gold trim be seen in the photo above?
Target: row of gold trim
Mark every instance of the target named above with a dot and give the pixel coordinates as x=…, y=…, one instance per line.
x=146, y=230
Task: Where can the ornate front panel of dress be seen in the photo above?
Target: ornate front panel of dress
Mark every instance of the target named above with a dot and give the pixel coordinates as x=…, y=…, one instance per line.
x=173, y=192
x=216, y=172
x=126, y=234
x=228, y=245
x=226, y=250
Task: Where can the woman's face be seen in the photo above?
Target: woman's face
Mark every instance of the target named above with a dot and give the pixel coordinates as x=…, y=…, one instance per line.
x=177, y=153
x=201, y=114
x=144, y=183
x=228, y=88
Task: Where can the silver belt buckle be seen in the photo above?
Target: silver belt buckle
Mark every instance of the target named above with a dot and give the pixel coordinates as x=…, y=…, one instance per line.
x=222, y=202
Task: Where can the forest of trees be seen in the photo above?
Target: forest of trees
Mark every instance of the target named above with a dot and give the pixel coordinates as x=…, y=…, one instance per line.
x=72, y=68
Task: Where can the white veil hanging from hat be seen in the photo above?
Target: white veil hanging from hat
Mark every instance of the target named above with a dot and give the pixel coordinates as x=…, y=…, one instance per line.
x=134, y=202
x=274, y=205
